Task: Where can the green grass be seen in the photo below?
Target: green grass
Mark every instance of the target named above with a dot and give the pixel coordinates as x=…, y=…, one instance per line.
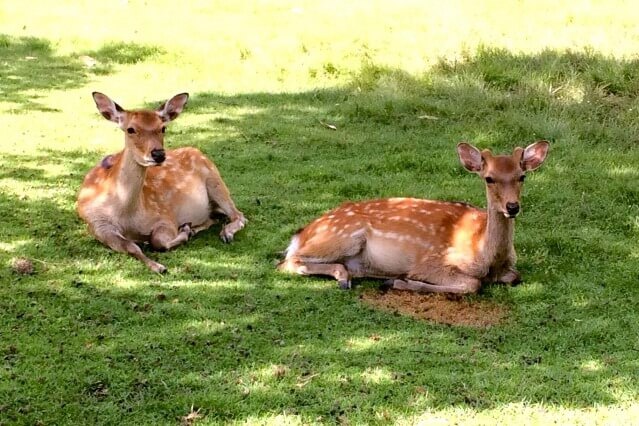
x=93, y=337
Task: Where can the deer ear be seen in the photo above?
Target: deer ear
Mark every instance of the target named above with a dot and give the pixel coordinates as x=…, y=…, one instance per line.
x=173, y=107
x=534, y=155
x=109, y=109
x=470, y=157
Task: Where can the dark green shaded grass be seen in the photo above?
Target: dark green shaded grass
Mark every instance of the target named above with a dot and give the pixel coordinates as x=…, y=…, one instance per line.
x=94, y=337
x=29, y=63
x=31, y=66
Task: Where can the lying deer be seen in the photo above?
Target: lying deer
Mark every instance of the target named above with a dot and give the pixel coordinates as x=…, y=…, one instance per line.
x=147, y=194
x=423, y=245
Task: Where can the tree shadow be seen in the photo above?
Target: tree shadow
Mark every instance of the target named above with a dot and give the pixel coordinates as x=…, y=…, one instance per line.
x=120, y=53
x=226, y=333
x=43, y=222
x=238, y=352
x=30, y=66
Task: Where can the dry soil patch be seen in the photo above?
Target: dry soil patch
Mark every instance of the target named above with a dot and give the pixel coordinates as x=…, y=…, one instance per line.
x=440, y=308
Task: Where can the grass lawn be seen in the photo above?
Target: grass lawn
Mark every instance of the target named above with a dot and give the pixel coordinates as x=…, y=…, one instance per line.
x=94, y=337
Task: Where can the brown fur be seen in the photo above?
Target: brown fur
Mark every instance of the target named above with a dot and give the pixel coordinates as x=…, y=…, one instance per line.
x=132, y=197
x=420, y=244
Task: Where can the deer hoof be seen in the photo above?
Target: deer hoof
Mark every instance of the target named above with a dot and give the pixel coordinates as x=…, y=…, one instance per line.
x=387, y=285
x=227, y=237
x=186, y=227
x=344, y=284
x=158, y=268
x=511, y=277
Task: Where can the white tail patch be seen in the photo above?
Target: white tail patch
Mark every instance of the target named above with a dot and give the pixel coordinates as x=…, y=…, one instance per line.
x=293, y=247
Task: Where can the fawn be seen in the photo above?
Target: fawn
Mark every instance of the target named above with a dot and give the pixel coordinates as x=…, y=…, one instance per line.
x=147, y=194
x=423, y=245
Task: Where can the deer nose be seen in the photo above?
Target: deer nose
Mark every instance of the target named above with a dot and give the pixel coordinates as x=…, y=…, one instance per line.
x=512, y=208
x=158, y=155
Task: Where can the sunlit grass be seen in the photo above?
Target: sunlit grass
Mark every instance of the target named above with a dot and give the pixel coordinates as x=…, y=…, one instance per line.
x=530, y=414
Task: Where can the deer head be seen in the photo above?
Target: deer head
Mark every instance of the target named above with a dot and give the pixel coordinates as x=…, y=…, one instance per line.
x=503, y=174
x=143, y=129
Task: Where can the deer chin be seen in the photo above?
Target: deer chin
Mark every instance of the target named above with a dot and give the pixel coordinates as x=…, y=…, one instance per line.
x=505, y=214
x=148, y=162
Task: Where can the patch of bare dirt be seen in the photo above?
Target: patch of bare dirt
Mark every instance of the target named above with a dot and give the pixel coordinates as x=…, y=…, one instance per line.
x=440, y=308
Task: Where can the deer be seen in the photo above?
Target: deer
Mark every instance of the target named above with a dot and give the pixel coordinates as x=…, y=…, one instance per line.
x=146, y=194
x=423, y=245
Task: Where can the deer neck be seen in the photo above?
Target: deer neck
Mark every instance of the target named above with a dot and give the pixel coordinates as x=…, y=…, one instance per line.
x=129, y=180
x=499, y=236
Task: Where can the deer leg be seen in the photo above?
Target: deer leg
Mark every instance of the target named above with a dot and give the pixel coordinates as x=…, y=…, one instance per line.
x=438, y=279
x=511, y=276
x=335, y=270
x=462, y=284
x=165, y=237
x=219, y=194
x=206, y=225
x=116, y=241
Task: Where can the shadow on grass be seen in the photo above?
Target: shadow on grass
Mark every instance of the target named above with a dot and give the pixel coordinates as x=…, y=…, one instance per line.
x=125, y=53
x=225, y=333
x=39, y=207
x=246, y=350
x=30, y=66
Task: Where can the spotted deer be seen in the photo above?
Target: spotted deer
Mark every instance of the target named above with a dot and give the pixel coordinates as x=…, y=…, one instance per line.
x=423, y=245
x=147, y=194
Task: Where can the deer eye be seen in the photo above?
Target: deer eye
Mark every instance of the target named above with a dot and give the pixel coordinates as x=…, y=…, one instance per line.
x=522, y=178
x=163, y=129
x=130, y=130
x=489, y=180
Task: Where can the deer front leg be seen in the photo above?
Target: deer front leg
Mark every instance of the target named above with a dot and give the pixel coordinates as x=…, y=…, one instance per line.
x=166, y=237
x=335, y=270
x=220, y=196
x=238, y=221
x=116, y=241
x=460, y=284
x=206, y=225
x=438, y=279
x=510, y=276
